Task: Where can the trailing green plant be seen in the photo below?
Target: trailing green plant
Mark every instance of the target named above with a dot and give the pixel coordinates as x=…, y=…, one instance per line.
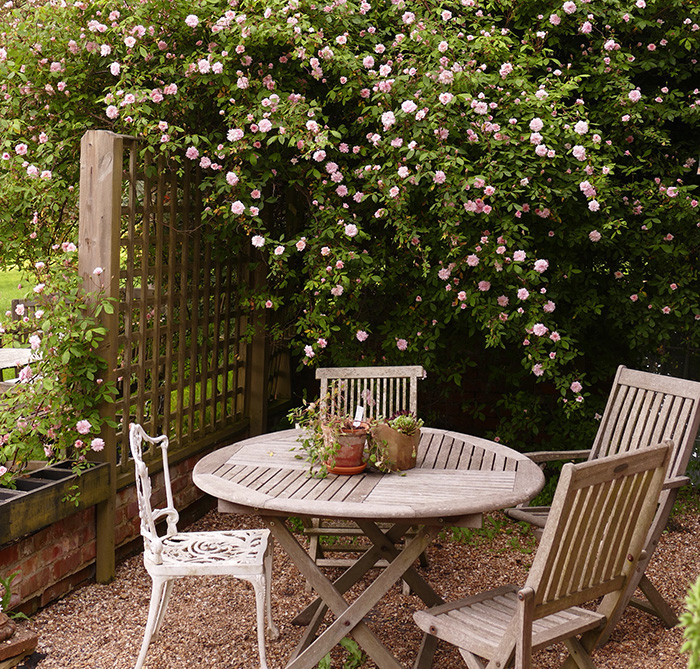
x=52, y=412
x=690, y=621
x=6, y=598
x=6, y=584
x=477, y=185
x=309, y=418
x=316, y=438
x=520, y=535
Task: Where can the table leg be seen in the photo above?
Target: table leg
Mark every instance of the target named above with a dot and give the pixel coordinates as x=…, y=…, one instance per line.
x=387, y=544
x=348, y=616
x=354, y=572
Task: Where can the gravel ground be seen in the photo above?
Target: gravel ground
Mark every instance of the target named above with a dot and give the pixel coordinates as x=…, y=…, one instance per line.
x=210, y=622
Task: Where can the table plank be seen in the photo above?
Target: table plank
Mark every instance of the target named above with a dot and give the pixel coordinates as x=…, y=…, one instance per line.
x=431, y=486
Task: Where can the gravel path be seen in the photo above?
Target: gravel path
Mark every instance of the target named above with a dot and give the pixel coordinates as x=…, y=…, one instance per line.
x=210, y=620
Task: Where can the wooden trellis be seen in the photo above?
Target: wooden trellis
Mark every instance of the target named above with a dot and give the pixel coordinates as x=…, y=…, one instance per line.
x=181, y=363
x=175, y=347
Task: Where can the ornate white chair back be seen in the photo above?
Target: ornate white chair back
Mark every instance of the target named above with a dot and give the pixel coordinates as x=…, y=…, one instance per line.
x=153, y=544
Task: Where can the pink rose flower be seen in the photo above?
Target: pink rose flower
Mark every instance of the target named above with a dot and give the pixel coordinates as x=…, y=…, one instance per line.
x=83, y=426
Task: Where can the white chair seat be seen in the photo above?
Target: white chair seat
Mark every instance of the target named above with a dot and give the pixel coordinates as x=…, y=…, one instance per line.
x=216, y=552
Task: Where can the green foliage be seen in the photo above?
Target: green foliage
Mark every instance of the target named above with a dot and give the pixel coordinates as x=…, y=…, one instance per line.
x=5, y=599
x=6, y=584
x=507, y=188
x=355, y=657
x=52, y=412
x=690, y=621
x=520, y=535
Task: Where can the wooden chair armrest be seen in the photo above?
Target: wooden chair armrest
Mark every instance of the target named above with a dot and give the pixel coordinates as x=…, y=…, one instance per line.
x=552, y=456
x=677, y=482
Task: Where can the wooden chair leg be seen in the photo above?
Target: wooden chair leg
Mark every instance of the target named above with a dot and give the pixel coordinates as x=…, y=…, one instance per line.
x=315, y=550
x=579, y=654
x=471, y=660
x=424, y=660
x=655, y=603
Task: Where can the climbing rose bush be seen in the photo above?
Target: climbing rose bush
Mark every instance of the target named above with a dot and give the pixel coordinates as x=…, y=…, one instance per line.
x=501, y=189
x=52, y=411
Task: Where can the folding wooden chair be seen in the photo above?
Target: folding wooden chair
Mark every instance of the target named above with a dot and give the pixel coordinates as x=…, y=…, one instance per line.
x=590, y=548
x=381, y=391
x=244, y=554
x=642, y=409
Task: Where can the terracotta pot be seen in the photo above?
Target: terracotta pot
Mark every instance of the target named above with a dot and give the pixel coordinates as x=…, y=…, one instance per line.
x=349, y=446
x=401, y=449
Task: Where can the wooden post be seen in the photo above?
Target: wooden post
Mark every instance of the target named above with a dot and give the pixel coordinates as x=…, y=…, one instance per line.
x=257, y=366
x=101, y=155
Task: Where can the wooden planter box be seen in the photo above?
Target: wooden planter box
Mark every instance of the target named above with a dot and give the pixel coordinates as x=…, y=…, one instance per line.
x=37, y=501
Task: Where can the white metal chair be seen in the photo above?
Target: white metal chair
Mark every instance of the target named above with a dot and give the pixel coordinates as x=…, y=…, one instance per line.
x=591, y=546
x=244, y=554
x=381, y=391
x=642, y=409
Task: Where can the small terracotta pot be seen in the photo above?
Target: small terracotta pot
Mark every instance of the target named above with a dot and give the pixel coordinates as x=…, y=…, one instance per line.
x=349, y=457
x=401, y=449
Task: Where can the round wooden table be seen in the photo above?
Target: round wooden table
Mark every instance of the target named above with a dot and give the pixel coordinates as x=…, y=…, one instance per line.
x=456, y=479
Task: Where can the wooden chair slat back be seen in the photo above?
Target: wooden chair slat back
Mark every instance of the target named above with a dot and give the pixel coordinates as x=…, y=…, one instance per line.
x=601, y=513
x=644, y=409
x=382, y=391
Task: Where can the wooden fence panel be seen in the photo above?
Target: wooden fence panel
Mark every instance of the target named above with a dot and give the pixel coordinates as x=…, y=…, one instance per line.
x=180, y=354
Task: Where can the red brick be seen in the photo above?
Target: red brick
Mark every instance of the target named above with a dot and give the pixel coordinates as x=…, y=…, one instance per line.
x=50, y=553
x=26, y=547
x=127, y=532
x=66, y=565
x=8, y=556
x=88, y=552
x=123, y=496
x=35, y=583
x=28, y=566
x=65, y=585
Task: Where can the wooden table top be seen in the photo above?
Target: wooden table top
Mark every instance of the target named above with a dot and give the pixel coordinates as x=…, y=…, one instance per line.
x=456, y=476
x=12, y=357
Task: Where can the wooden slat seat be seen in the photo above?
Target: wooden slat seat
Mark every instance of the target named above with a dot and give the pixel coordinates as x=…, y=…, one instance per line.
x=592, y=543
x=642, y=409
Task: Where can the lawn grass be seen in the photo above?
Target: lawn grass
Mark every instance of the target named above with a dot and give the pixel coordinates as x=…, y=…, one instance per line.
x=9, y=281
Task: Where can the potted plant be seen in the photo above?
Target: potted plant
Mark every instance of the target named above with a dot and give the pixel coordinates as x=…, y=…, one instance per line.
x=398, y=438
x=335, y=443
x=344, y=441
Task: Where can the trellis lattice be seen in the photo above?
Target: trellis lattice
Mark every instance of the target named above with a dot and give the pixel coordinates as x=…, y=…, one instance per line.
x=181, y=365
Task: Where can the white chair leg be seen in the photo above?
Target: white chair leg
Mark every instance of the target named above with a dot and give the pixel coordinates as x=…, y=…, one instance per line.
x=163, y=606
x=272, y=629
x=154, y=609
x=259, y=585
